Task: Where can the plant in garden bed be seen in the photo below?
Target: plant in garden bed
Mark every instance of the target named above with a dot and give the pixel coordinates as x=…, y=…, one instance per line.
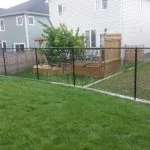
x=58, y=38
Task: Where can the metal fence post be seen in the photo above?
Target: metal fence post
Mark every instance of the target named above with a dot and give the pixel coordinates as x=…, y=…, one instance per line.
x=37, y=67
x=73, y=61
x=135, y=74
x=5, y=69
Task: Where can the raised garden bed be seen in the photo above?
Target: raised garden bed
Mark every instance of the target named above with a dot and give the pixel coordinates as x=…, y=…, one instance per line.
x=46, y=69
x=93, y=69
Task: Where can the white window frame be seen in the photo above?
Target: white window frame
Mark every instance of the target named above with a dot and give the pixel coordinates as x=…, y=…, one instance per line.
x=62, y=9
x=99, y=6
x=33, y=20
x=90, y=38
x=14, y=45
x=102, y=1
x=1, y=19
x=17, y=23
x=3, y=44
x=141, y=6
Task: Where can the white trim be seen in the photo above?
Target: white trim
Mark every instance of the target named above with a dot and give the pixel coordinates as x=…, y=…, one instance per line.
x=26, y=30
x=122, y=21
x=33, y=20
x=141, y=6
x=102, y=1
x=1, y=19
x=33, y=13
x=90, y=38
x=99, y=7
x=17, y=23
x=2, y=43
x=14, y=45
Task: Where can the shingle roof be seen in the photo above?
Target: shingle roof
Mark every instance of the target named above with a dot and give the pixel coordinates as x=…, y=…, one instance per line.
x=1, y=10
x=32, y=6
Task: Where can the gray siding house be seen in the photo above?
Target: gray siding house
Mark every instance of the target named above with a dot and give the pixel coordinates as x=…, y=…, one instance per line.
x=19, y=25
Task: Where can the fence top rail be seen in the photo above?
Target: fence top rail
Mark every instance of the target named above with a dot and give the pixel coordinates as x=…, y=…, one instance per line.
x=92, y=48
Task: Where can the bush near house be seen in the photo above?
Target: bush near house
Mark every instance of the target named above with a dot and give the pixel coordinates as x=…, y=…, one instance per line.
x=61, y=37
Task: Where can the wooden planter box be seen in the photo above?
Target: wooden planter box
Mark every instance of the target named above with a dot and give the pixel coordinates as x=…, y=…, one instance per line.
x=97, y=69
x=48, y=70
x=89, y=69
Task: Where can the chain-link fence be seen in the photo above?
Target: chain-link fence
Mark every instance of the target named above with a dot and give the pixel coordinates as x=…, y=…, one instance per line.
x=124, y=71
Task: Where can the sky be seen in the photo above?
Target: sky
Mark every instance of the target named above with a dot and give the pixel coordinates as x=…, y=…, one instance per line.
x=10, y=3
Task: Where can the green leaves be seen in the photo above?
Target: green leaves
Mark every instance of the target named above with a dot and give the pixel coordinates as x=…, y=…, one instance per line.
x=59, y=38
x=62, y=37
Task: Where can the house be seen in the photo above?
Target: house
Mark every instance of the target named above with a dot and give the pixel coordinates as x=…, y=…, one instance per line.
x=130, y=18
x=19, y=25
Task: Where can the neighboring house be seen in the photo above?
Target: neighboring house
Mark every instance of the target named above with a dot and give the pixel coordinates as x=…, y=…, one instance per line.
x=1, y=10
x=131, y=18
x=19, y=25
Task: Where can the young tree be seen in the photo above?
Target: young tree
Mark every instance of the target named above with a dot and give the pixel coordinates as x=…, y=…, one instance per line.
x=60, y=42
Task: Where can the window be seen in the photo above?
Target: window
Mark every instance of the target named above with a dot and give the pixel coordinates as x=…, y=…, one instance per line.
x=90, y=38
x=87, y=38
x=3, y=45
x=141, y=5
x=31, y=20
x=104, y=4
x=19, y=21
x=101, y=4
x=102, y=40
x=2, y=26
x=93, y=38
x=60, y=9
x=19, y=47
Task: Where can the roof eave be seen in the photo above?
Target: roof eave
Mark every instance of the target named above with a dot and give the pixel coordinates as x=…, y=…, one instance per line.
x=18, y=13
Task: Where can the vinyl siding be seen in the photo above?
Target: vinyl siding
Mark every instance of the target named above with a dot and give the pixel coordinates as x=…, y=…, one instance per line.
x=13, y=33
x=122, y=16
x=136, y=22
x=35, y=31
x=83, y=14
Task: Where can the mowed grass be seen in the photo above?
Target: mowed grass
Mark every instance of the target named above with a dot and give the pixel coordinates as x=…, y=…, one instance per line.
x=40, y=116
x=124, y=83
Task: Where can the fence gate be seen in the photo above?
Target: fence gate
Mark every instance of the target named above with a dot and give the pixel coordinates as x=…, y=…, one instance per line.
x=112, y=55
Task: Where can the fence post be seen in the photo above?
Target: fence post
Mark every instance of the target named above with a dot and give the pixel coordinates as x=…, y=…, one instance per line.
x=37, y=67
x=135, y=74
x=73, y=61
x=4, y=62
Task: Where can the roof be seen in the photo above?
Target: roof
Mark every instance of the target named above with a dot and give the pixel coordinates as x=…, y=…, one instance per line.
x=1, y=10
x=31, y=6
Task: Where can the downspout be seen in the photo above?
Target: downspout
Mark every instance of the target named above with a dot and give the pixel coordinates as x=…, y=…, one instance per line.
x=49, y=2
x=122, y=22
x=122, y=31
x=26, y=30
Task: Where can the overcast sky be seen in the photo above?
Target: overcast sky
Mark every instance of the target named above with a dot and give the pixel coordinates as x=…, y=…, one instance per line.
x=9, y=3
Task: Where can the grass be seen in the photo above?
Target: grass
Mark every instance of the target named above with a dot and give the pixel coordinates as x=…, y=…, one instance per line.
x=124, y=83
x=63, y=78
x=40, y=116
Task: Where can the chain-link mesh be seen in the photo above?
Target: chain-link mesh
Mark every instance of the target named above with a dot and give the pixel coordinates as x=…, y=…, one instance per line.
x=143, y=74
x=115, y=70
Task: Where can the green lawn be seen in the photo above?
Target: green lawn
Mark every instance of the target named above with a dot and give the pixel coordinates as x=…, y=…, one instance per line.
x=124, y=82
x=40, y=116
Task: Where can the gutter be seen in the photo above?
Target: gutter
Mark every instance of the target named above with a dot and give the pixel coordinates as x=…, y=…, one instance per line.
x=18, y=13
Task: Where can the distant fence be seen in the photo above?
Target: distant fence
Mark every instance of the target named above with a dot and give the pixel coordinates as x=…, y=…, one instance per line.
x=13, y=62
